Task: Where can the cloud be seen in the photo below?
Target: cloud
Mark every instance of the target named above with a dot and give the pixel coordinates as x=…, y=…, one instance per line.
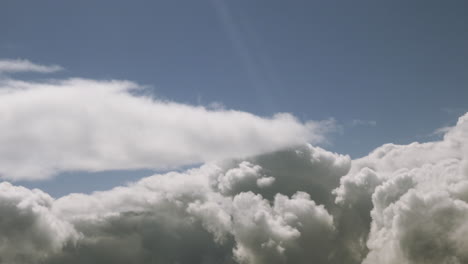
x=262, y=195
x=81, y=124
x=417, y=198
x=441, y=131
x=186, y=218
x=29, y=230
x=399, y=204
x=18, y=65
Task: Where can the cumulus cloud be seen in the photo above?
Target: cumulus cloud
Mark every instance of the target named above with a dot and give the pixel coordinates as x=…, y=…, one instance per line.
x=29, y=230
x=262, y=195
x=400, y=204
x=80, y=124
x=18, y=65
x=416, y=196
x=217, y=213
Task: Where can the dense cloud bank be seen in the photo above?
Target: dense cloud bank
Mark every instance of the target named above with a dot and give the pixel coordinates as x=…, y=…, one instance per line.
x=399, y=204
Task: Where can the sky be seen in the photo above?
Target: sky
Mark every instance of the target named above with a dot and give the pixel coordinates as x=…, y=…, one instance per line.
x=210, y=111
x=375, y=68
x=391, y=62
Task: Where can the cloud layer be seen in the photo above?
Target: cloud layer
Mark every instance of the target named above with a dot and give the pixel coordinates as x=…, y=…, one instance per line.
x=262, y=196
x=399, y=204
x=79, y=124
x=218, y=213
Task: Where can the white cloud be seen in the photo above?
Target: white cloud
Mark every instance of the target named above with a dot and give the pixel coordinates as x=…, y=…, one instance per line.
x=441, y=131
x=417, y=198
x=263, y=196
x=80, y=124
x=29, y=230
x=399, y=204
x=18, y=65
x=182, y=218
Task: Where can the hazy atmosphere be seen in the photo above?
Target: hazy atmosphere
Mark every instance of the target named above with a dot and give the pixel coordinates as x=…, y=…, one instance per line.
x=236, y=132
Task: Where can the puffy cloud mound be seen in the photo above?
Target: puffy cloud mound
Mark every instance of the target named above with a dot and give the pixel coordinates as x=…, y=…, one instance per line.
x=218, y=213
x=417, y=199
x=29, y=230
x=79, y=124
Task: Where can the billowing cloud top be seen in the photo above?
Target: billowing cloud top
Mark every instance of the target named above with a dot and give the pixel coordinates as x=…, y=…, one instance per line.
x=80, y=124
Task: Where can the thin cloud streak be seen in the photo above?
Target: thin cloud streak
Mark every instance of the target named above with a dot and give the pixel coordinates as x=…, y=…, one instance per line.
x=21, y=65
x=360, y=122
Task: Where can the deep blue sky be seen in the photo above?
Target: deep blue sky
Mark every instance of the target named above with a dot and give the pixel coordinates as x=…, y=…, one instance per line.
x=403, y=64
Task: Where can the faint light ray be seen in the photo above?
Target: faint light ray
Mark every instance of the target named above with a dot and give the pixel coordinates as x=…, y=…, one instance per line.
x=265, y=61
x=258, y=81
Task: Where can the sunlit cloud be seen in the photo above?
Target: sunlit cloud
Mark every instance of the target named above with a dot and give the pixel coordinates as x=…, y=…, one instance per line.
x=299, y=205
x=90, y=125
x=263, y=194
